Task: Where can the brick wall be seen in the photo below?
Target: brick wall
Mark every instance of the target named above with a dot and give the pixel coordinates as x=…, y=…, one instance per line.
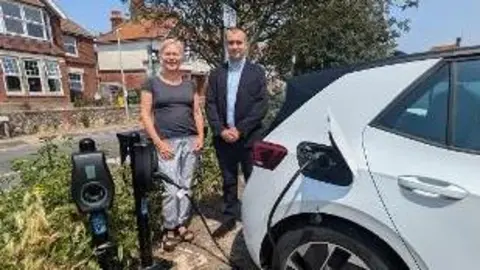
x=86, y=53
x=86, y=60
x=90, y=82
x=35, y=103
x=133, y=79
x=28, y=122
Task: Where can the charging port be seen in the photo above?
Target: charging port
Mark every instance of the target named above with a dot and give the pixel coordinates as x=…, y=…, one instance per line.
x=330, y=166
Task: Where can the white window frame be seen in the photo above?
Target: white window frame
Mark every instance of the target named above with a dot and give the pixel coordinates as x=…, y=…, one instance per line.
x=43, y=74
x=48, y=25
x=19, y=75
x=75, y=44
x=26, y=77
x=54, y=77
x=24, y=21
x=81, y=80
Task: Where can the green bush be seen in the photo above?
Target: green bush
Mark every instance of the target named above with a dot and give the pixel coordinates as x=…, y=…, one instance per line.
x=40, y=227
x=133, y=96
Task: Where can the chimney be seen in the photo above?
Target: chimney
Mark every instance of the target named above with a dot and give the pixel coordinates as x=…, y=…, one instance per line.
x=116, y=18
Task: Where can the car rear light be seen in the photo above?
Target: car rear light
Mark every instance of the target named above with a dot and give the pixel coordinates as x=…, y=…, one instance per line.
x=268, y=155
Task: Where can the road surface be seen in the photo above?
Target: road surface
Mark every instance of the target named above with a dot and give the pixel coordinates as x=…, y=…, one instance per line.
x=106, y=141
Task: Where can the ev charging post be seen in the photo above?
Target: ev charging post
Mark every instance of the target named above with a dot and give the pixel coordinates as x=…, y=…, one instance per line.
x=142, y=163
x=92, y=190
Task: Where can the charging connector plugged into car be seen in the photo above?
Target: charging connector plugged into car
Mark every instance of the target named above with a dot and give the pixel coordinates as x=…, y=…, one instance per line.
x=316, y=161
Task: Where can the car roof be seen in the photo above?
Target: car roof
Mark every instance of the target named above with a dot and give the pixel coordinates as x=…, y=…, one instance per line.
x=405, y=58
x=302, y=88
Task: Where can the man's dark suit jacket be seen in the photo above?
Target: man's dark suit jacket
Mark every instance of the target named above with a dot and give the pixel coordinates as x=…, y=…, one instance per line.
x=251, y=105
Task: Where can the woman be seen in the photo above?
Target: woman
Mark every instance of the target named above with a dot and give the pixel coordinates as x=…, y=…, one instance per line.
x=176, y=129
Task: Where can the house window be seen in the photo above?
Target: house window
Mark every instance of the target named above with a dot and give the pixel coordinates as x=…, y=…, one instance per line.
x=53, y=76
x=23, y=20
x=70, y=45
x=75, y=81
x=34, y=76
x=32, y=73
x=12, y=77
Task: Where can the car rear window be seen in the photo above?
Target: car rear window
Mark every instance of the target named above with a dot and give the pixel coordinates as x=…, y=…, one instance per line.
x=302, y=88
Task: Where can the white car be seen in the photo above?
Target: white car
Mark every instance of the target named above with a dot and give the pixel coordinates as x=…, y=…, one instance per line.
x=401, y=187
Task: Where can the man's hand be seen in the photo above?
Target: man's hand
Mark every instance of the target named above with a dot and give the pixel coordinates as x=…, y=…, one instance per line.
x=235, y=134
x=230, y=135
x=227, y=135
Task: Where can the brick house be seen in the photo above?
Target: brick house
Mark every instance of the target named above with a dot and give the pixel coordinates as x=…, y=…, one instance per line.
x=139, y=40
x=44, y=56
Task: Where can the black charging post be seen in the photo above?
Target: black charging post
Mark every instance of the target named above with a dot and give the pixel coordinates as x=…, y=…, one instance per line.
x=141, y=203
x=142, y=163
x=92, y=190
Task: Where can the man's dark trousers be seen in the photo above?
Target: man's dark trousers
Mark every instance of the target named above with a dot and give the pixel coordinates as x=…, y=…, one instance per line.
x=229, y=156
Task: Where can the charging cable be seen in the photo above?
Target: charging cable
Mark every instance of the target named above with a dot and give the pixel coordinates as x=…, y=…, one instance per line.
x=314, y=157
x=184, y=191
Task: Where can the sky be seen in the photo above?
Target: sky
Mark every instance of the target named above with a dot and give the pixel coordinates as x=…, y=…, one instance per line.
x=434, y=22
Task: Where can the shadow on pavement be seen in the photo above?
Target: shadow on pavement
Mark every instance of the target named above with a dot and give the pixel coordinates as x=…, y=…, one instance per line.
x=238, y=252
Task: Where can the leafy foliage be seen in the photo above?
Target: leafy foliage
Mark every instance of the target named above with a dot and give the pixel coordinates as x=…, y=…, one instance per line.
x=319, y=33
x=40, y=227
x=335, y=33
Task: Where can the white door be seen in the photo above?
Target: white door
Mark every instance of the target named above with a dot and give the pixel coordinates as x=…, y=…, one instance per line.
x=423, y=154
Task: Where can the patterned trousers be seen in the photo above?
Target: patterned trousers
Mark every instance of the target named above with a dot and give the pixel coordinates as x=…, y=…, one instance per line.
x=181, y=168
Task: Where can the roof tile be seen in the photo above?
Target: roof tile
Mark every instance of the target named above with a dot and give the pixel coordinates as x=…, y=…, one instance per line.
x=71, y=27
x=137, y=30
x=37, y=3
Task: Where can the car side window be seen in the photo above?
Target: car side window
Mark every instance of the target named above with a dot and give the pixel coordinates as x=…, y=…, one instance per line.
x=466, y=123
x=422, y=113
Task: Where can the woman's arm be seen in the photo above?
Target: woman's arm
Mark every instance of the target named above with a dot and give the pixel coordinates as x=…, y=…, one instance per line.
x=198, y=116
x=146, y=116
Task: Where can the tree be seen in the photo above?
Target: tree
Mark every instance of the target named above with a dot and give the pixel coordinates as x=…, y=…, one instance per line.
x=200, y=22
x=334, y=33
x=320, y=33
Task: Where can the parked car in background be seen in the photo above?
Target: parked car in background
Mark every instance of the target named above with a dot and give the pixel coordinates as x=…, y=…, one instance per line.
x=402, y=188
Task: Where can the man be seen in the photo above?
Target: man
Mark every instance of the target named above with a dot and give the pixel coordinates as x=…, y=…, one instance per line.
x=237, y=102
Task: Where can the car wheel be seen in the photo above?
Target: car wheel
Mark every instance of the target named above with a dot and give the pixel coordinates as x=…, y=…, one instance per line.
x=327, y=249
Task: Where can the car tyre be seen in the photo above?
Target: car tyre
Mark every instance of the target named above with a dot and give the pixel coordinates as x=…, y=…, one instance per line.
x=322, y=240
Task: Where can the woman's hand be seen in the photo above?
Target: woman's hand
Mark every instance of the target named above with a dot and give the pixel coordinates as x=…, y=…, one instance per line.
x=198, y=144
x=166, y=151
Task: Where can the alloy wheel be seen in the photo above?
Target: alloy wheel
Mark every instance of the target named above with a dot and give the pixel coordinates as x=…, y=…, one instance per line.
x=324, y=256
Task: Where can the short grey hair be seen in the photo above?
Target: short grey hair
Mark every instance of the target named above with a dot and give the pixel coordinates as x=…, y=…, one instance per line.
x=172, y=41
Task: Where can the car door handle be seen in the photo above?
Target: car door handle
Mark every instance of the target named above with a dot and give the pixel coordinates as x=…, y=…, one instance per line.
x=427, y=186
